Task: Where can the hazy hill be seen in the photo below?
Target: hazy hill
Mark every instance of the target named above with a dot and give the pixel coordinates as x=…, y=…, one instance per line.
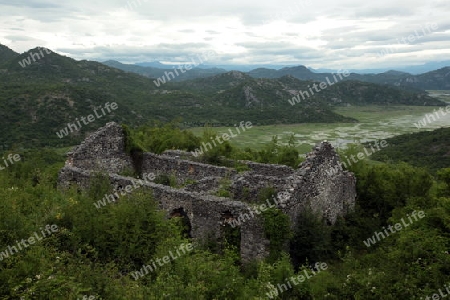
x=269, y=97
x=299, y=72
x=240, y=90
x=362, y=93
x=434, y=80
x=154, y=72
x=413, y=69
x=153, y=64
x=438, y=79
x=272, y=98
x=215, y=84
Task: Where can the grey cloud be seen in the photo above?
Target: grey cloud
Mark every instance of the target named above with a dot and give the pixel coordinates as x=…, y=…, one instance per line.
x=106, y=30
x=34, y=4
x=20, y=38
x=386, y=12
x=166, y=52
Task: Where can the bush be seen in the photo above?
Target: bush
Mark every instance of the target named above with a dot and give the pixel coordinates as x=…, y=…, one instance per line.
x=277, y=230
x=311, y=239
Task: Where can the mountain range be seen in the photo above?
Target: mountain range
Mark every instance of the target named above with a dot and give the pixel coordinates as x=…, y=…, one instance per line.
x=413, y=69
x=433, y=80
x=42, y=92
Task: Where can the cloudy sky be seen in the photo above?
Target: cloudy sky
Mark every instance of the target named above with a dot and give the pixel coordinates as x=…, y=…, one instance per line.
x=316, y=33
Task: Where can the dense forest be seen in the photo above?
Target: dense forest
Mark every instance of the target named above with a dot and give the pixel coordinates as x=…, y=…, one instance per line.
x=429, y=150
x=93, y=253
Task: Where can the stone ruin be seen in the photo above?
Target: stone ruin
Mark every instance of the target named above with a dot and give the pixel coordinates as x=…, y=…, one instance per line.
x=312, y=186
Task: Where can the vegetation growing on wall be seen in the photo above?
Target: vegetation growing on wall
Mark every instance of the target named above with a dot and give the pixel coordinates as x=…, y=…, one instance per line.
x=266, y=194
x=277, y=230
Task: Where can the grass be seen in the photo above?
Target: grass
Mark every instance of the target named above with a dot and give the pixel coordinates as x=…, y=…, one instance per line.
x=376, y=122
x=441, y=95
x=63, y=151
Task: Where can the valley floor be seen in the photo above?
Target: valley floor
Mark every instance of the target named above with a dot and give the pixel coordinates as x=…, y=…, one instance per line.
x=376, y=122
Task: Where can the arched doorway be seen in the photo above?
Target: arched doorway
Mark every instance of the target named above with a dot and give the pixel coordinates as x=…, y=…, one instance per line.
x=185, y=222
x=230, y=231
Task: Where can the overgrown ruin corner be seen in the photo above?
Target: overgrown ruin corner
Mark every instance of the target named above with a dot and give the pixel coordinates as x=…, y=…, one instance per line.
x=310, y=187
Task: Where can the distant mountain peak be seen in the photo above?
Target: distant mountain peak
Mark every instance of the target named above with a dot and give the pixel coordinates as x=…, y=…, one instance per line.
x=395, y=72
x=154, y=64
x=6, y=48
x=299, y=68
x=233, y=74
x=6, y=54
x=237, y=74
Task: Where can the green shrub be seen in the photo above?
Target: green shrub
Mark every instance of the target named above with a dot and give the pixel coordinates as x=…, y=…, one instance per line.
x=311, y=239
x=277, y=230
x=266, y=193
x=224, y=188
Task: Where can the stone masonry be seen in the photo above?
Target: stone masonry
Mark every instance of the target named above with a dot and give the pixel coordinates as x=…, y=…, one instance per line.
x=329, y=194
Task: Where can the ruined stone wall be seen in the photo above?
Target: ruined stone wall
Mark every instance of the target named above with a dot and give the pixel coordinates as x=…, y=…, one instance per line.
x=205, y=213
x=104, y=150
x=257, y=168
x=208, y=185
x=319, y=184
x=183, y=170
x=317, y=187
x=268, y=169
x=248, y=186
x=180, y=154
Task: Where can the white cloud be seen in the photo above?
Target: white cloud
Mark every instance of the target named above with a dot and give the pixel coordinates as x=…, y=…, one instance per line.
x=320, y=33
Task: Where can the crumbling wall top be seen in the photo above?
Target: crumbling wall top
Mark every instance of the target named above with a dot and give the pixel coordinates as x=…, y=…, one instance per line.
x=104, y=150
